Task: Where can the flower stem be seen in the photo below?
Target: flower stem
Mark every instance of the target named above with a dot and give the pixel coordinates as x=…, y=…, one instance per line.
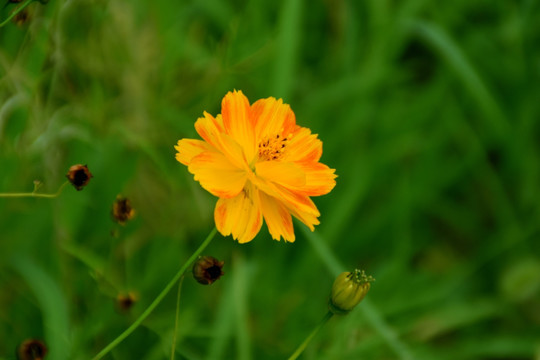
x=158, y=299
x=14, y=13
x=303, y=345
x=35, y=194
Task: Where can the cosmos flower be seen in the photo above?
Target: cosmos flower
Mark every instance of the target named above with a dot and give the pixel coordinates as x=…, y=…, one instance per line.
x=260, y=164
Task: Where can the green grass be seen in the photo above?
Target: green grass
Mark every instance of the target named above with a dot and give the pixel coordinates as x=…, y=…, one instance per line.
x=428, y=111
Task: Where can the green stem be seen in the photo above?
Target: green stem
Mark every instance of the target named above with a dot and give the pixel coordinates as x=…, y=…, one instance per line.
x=35, y=194
x=14, y=13
x=158, y=299
x=176, y=317
x=303, y=345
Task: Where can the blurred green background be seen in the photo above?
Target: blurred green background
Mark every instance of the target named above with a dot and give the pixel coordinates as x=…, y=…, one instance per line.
x=428, y=110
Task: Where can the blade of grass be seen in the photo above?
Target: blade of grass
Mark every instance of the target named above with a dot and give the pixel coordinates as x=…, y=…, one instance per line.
x=224, y=324
x=175, y=332
x=240, y=286
x=287, y=48
x=450, y=52
x=52, y=303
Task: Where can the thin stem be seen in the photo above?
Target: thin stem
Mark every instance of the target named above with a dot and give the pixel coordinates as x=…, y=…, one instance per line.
x=158, y=299
x=35, y=194
x=303, y=345
x=14, y=13
x=176, y=318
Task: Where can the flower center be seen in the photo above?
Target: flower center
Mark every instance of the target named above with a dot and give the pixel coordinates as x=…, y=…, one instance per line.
x=272, y=148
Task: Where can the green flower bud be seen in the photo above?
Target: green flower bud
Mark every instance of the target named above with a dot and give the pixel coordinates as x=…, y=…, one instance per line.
x=348, y=290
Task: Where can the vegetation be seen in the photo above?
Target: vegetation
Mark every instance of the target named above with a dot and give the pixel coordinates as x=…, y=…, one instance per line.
x=428, y=111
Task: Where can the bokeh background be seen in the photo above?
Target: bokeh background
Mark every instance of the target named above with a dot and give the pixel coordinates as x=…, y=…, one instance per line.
x=428, y=110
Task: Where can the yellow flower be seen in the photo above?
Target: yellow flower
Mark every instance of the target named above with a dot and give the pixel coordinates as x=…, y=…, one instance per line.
x=260, y=164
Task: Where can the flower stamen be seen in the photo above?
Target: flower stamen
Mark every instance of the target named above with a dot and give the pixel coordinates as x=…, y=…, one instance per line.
x=272, y=148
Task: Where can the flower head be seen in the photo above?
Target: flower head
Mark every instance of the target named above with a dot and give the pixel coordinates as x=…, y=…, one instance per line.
x=260, y=164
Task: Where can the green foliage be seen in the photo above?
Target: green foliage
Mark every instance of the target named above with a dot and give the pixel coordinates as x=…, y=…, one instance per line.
x=428, y=110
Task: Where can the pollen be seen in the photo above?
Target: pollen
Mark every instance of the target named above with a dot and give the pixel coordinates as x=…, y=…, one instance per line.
x=272, y=148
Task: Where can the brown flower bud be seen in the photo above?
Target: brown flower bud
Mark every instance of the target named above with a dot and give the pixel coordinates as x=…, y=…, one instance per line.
x=31, y=349
x=79, y=176
x=207, y=269
x=122, y=210
x=22, y=18
x=126, y=301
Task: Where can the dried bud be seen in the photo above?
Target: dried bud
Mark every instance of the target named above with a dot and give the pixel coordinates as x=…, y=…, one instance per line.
x=122, y=210
x=207, y=269
x=126, y=301
x=31, y=349
x=22, y=18
x=348, y=290
x=79, y=176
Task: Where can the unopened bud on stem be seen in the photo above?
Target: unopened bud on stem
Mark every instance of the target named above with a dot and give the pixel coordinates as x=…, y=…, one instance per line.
x=207, y=269
x=348, y=290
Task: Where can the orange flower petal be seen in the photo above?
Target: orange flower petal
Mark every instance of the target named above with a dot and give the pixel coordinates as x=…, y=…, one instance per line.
x=320, y=179
x=235, y=111
x=277, y=217
x=209, y=129
x=299, y=205
x=240, y=216
x=217, y=175
x=303, y=146
x=283, y=173
x=189, y=148
x=272, y=117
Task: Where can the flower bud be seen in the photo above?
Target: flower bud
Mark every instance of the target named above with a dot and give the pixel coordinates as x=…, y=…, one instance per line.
x=79, y=176
x=348, y=290
x=207, y=269
x=22, y=17
x=124, y=301
x=122, y=210
x=31, y=349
